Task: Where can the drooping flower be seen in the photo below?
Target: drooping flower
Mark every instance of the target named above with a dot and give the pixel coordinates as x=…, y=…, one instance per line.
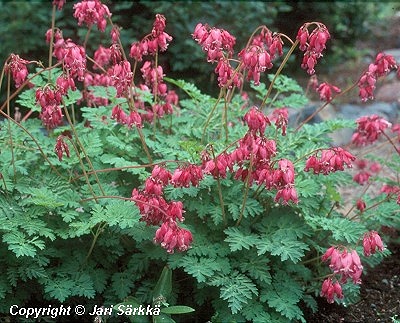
x=92, y=12
x=17, y=67
x=325, y=91
x=372, y=242
x=256, y=120
x=312, y=44
x=59, y=4
x=172, y=237
x=50, y=100
x=369, y=129
x=102, y=57
x=122, y=76
x=61, y=147
x=329, y=290
x=361, y=205
x=331, y=160
x=187, y=175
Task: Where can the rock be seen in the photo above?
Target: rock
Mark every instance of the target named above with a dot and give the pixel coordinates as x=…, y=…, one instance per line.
x=388, y=92
x=389, y=111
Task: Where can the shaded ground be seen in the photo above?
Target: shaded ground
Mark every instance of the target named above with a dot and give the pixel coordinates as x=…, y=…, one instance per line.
x=380, y=297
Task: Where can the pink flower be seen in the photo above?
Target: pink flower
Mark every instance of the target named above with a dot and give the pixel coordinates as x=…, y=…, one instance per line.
x=286, y=194
x=215, y=42
x=367, y=82
x=115, y=32
x=118, y=114
x=152, y=207
x=102, y=57
x=255, y=59
x=256, y=120
x=122, y=76
x=369, y=129
x=171, y=237
x=331, y=160
x=371, y=242
x=276, y=46
x=312, y=44
x=161, y=175
x=362, y=177
x=347, y=264
x=325, y=91
x=64, y=83
x=226, y=75
x=50, y=101
x=61, y=147
x=74, y=58
x=92, y=12
x=302, y=37
x=18, y=69
x=217, y=168
x=280, y=118
x=59, y=4
x=330, y=290
x=361, y=205
x=384, y=63
x=187, y=175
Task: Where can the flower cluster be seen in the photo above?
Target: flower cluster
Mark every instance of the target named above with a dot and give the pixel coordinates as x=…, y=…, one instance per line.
x=156, y=41
x=121, y=117
x=369, y=129
x=381, y=67
x=18, y=69
x=347, y=265
x=258, y=56
x=92, y=12
x=280, y=118
x=122, y=77
x=252, y=159
x=365, y=172
x=155, y=210
x=329, y=290
x=391, y=190
x=325, y=91
x=217, y=43
x=50, y=100
x=371, y=242
x=312, y=44
x=61, y=147
x=331, y=160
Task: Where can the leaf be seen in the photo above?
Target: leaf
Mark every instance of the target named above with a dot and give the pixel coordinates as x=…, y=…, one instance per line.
x=121, y=284
x=164, y=284
x=44, y=197
x=285, y=247
x=72, y=97
x=18, y=243
x=178, y=309
x=84, y=286
x=239, y=240
x=237, y=290
x=59, y=288
x=200, y=268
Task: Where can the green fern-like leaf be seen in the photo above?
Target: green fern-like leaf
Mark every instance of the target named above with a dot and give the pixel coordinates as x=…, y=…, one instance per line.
x=121, y=284
x=239, y=240
x=200, y=268
x=237, y=290
x=84, y=286
x=59, y=288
